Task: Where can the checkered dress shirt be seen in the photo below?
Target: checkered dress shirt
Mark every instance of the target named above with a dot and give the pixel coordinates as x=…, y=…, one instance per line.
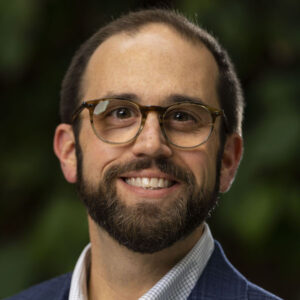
x=177, y=284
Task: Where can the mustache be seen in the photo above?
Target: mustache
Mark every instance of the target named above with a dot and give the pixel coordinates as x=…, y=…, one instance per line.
x=164, y=165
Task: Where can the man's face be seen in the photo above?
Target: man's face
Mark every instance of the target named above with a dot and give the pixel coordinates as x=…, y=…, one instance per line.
x=150, y=66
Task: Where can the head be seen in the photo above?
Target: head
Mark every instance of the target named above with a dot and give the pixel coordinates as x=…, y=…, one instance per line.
x=148, y=194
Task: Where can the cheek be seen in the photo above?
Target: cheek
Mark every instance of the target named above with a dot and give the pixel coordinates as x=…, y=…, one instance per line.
x=96, y=155
x=202, y=163
x=97, y=158
x=203, y=167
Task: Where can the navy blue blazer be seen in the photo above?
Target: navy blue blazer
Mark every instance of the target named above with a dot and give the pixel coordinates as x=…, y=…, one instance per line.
x=219, y=280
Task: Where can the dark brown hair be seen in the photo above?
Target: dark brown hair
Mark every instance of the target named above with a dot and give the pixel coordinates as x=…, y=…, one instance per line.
x=229, y=89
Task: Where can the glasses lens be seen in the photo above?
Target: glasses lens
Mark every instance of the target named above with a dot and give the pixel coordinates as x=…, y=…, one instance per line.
x=116, y=121
x=187, y=124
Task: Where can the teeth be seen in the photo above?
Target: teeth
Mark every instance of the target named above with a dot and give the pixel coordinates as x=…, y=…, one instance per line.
x=154, y=182
x=161, y=182
x=148, y=183
x=145, y=182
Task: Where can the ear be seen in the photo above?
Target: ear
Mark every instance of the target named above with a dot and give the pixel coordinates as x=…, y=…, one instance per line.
x=233, y=150
x=64, y=148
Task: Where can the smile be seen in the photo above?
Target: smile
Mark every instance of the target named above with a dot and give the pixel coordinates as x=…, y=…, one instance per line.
x=149, y=183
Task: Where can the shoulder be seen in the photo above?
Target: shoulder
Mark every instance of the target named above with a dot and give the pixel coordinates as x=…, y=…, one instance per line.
x=53, y=289
x=257, y=293
x=221, y=280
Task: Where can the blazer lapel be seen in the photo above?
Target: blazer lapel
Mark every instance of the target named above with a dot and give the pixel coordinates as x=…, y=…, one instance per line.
x=219, y=280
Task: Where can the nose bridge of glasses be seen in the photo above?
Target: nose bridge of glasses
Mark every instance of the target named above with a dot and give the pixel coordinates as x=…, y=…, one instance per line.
x=158, y=116
x=153, y=108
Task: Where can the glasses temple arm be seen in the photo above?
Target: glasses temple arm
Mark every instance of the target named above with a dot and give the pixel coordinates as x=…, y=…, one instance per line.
x=78, y=111
x=225, y=121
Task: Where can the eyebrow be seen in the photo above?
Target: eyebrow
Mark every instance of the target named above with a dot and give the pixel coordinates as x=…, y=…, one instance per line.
x=176, y=98
x=122, y=96
x=171, y=99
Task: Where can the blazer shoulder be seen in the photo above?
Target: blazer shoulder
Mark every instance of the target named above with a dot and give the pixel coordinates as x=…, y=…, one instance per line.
x=257, y=293
x=221, y=280
x=54, y=289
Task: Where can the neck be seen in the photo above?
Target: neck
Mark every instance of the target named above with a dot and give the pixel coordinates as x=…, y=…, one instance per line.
x=119, y=273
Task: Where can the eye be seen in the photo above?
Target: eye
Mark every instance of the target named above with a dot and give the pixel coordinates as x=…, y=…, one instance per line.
x=122, y=113
x=182, y=116
x=187, y=118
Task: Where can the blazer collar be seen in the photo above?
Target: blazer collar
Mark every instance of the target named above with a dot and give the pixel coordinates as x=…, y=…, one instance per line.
x=219, y=280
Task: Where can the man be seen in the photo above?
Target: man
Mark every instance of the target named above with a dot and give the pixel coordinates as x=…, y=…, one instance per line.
x=151, y=113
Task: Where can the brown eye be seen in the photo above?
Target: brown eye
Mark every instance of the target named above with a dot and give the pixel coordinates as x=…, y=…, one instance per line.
x=122, y=113
x=181, y=116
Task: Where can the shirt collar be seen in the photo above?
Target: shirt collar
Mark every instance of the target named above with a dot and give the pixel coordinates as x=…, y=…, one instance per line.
x=176, y=284
x=78, y=288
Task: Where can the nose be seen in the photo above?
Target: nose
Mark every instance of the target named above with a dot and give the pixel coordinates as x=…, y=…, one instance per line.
x=151, y=141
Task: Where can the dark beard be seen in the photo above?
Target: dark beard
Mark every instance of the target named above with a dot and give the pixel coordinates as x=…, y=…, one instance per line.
x=147, y=227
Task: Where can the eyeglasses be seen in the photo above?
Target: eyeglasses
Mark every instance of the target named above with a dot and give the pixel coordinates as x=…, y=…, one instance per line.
x=185, y=125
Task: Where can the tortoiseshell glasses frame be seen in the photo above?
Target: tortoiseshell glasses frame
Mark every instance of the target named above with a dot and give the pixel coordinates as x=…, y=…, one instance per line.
x=162, y=112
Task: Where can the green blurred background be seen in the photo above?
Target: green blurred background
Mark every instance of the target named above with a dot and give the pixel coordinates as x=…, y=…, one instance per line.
x=43, y=224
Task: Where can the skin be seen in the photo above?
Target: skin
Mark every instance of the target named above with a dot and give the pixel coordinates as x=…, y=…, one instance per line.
x=153, y=64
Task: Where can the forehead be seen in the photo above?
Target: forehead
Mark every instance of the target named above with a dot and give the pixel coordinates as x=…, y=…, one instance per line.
x=153, y=63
